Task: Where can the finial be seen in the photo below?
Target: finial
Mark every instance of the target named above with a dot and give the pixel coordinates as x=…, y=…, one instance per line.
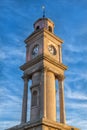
x=43, y=8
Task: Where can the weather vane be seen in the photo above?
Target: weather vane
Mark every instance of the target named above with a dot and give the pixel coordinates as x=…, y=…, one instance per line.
x=43, y=8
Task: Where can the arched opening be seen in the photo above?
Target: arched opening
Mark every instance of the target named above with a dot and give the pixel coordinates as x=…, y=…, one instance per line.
x=37, y=28
x=34, y=98
x=50, y=28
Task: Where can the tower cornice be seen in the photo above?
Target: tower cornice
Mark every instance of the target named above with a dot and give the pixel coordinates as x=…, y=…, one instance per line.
x=42, y=32
x=43, y=122
x=40, y=58
x=44, y=62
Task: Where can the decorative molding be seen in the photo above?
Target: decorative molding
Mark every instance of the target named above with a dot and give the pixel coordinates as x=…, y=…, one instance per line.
x=43, y=122
x=42, y=58
x=25, y=77
x=60, y=77
x=36, y=85
x=42, y=32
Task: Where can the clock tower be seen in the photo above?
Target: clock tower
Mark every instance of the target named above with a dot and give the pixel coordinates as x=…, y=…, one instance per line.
x=43, y=66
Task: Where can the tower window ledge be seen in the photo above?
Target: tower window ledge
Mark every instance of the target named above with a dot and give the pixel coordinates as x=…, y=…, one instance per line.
x=36, y=85
x=36, y=106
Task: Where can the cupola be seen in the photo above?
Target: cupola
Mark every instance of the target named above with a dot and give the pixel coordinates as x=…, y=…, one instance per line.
x=44, y=23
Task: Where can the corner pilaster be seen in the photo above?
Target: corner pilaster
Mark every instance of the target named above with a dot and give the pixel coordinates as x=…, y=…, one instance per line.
x=43, y=92
x=25, y=98
x=61, y=100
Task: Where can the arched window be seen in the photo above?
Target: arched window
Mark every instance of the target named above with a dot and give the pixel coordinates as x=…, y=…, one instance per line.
x=37, y=28
x=34, y=98
x=50, y=28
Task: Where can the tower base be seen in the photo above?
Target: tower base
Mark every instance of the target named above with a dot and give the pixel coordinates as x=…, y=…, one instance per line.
x=43, y=124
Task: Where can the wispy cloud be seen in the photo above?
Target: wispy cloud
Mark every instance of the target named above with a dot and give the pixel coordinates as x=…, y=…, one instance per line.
x=11, y=104
x=7, y=124
x=78, y=123
x=79, y=95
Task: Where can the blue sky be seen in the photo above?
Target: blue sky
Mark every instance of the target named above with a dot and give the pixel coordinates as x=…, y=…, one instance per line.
x=16, y=23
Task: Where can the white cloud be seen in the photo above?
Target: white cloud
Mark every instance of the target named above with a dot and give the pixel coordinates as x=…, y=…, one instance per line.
x=76, y=43
x=76, y=76
x=2, y=55
x=11, y=104
x=77, y=122
x=9, y=52
x=73, y=48
x=77, y=106
x=74, y=94
x=7, y=124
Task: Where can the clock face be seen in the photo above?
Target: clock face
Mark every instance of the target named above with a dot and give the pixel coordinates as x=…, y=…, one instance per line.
x=35, y=51
x=52, y=49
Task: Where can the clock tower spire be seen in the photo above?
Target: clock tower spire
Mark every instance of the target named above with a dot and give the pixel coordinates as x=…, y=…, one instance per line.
x=43, y=66
x=43, y=8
